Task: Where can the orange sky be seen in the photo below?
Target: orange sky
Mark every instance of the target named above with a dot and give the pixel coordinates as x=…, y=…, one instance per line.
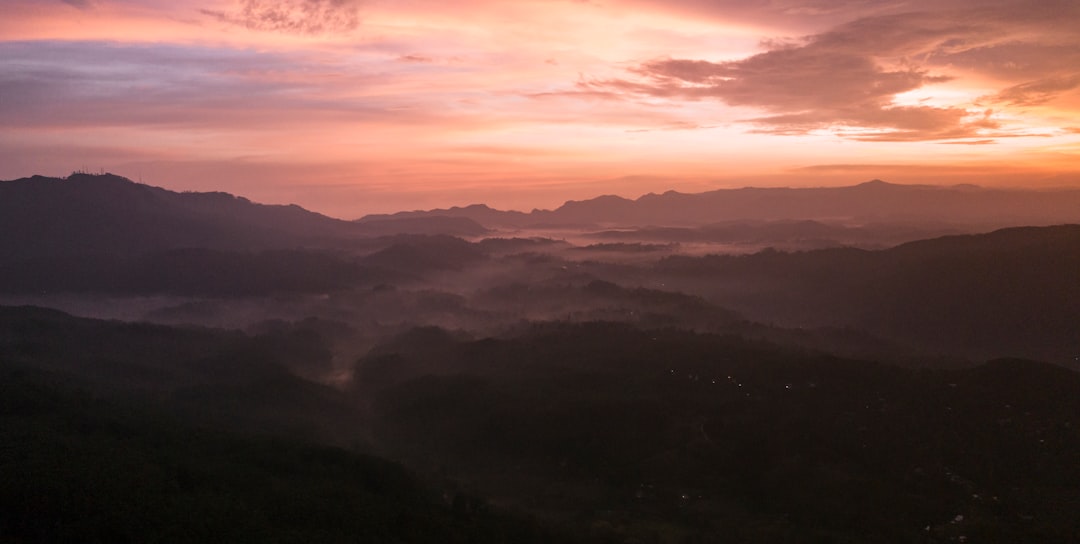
x=350, y=107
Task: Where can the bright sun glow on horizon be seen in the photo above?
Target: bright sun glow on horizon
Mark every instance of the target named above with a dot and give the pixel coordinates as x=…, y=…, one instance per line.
x=349, y=107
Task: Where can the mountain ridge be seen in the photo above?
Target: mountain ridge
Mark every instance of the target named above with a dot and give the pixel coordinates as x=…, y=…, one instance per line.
x=87, y=213
x=872, y=201
x=44, y=216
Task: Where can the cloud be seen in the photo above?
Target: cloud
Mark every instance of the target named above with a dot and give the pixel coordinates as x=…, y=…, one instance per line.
x=807, y=88
x=785, y=80
x=421, y=59
x=816, y=15
x=675, y=125
x=80, y=4
x=971, y=142
x=66, y=84
x=847, y=78
x=1039, y=91
x=292, y=16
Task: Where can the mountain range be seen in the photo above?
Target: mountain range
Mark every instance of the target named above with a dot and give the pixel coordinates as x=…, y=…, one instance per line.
x=108, y=214
x=87, y=213
x=760, y=365
x=871, y=202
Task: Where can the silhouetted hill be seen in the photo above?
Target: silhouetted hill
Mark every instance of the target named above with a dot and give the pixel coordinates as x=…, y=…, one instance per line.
x=480, y=213
x=132, y=432
x=598, y=300
x=871, y=202
x=664, y=432
x=194, y=271
x=85, y=214
x=1010, y=292
x=107, y=234
x=800, y=234
x=420, y=254
x=518, y=245
x=219, y=378
x=431, y=225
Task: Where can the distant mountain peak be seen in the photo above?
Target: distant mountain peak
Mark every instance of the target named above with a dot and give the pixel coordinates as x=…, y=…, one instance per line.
x=875, y=200
x=597, y=200
x=105, y=178
x=75, y=176
x=671, y=193
x=876, y=183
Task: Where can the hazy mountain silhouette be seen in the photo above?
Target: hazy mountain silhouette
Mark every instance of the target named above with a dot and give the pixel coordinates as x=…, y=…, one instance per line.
x=189, y=271
x=875, y=201
x=84, y=213
x=625, y=391
x=480, y=213
x=804, y=234
x=107, y=234
x=108, y=214
x=418, y=254
x=434, y=224
x=1010, y=292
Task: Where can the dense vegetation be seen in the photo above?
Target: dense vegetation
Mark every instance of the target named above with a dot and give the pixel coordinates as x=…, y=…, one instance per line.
x=664, y=433
x=1012, y=292
x=76, y=468
x=130, y=432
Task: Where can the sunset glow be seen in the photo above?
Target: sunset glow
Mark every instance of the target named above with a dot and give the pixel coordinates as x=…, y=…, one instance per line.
x=349, y=107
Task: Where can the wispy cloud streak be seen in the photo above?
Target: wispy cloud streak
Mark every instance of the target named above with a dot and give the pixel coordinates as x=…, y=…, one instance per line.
x=291, y=16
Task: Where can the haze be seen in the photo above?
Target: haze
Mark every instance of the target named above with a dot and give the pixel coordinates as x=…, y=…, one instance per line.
x=539, y=272
x=349, y=107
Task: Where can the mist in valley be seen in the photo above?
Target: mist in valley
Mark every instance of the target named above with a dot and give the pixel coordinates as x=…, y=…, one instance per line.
x=531, y=272
x=606, y=382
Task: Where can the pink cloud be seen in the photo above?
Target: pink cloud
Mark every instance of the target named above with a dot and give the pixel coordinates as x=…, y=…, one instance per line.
x=291, y=16
x=1039, y=91
x=848, y=76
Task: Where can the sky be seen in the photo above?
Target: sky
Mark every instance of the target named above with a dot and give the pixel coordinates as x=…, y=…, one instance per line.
x=349, y=107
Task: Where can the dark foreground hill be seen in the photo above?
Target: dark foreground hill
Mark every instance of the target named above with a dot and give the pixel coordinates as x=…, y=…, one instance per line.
x=114, y=432
x=225, y=378
x=81, y=469
x=128, y=432
x=670, y=436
